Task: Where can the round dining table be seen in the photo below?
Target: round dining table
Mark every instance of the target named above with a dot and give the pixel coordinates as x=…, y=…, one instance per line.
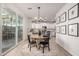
x=38, y=38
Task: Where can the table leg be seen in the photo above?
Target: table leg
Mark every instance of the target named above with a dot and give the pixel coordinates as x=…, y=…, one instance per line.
x=37, y=42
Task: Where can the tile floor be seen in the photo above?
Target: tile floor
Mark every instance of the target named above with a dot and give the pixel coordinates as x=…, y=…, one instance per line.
x=23, y=50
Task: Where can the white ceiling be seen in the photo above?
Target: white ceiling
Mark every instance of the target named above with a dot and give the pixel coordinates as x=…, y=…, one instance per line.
x=46, y=9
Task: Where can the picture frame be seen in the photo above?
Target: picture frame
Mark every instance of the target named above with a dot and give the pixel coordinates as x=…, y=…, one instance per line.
x=73, y=29
x=63, y=17
x=58, y=29
x=73, y=12
x=58, y=20
x=63, y=29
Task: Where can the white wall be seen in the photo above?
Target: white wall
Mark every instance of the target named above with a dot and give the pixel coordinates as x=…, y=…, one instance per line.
x=25, y=26
x=70, y=43
x=0, y=36
x=53, y=33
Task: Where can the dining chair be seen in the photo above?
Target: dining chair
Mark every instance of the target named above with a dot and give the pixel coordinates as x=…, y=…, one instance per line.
x=30, y=42
x=45, y=43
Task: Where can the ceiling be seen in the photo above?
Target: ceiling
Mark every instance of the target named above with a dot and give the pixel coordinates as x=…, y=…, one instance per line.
x=47, y=10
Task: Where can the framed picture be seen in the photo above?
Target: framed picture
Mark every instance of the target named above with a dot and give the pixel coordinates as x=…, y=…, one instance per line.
x=73, y=12
x=58, y=20
x=73, y=29
x=63, y=17
x=63, y=29
x=58, y=29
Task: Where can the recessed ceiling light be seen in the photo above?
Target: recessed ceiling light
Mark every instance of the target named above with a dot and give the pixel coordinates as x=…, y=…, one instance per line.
x=29, y=8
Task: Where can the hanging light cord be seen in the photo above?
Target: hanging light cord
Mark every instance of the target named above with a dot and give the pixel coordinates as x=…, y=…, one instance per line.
x=38, y=13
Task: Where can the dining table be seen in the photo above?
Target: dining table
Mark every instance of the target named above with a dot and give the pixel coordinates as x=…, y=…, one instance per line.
x=38, y=38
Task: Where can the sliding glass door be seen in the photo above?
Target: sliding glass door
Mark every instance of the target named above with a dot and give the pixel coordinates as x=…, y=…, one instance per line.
x=11, y=29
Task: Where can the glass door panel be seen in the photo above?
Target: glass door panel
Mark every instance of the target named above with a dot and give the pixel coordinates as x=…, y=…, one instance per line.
x=8, y=32
x=20, y=29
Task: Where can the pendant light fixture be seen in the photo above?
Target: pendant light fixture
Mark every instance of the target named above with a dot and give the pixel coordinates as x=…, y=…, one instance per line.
x=38, y=13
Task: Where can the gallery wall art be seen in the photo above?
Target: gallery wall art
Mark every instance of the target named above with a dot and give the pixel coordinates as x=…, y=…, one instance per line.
x=63, y=29
x=73, y=12
x=73, y=29
x=63, y=17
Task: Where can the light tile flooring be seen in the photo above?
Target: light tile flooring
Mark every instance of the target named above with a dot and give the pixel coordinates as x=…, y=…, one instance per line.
x=23, y=50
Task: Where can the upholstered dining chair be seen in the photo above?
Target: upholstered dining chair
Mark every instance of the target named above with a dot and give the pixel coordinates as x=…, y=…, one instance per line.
x=30, y=42
x=45, y=43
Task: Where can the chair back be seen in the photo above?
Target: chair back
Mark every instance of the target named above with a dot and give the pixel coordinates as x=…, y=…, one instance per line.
x=28, y=36
x=48, y=34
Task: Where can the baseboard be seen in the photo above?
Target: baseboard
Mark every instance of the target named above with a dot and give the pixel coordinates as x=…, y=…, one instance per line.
x=64, y=49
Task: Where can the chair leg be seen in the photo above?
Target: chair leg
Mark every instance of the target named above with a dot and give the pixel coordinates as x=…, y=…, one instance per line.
x=48, y=47
x=30, y=47
x=43, y=48
x=39, y=47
